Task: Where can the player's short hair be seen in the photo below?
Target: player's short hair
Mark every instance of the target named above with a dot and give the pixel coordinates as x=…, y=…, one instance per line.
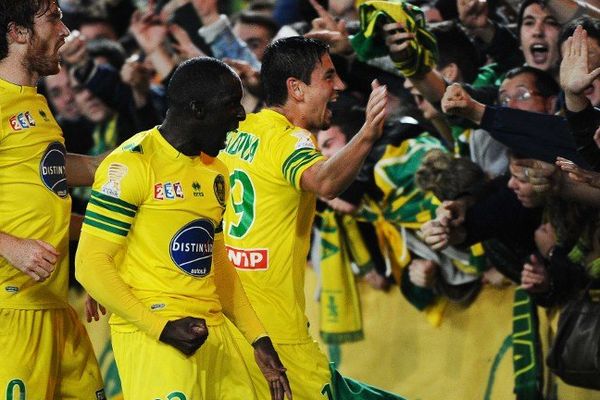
x=198, y=79
x=21, y=13
x=292, y=57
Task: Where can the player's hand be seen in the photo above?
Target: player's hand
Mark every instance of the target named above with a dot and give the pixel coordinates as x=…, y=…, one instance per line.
x=33, y=257
x=457, y=101
x=270, y=365
x=375, y=112
x=185, y=334
x=91, y=309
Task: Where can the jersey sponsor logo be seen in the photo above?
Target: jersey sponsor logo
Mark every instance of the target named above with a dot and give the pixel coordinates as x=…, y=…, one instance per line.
x=191, y=247
x=11, y=289
x=158, y=306
x=244, y=145
x=249, y=259
x=52, y=169
x=304, y=140
x=168, y=190
x=219, y=187
x=21, y=121
x=116, y=173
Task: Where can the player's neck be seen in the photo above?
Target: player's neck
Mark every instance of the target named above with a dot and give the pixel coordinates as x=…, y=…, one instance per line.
x=292, y=112
x=173, y=135
x=13, y=71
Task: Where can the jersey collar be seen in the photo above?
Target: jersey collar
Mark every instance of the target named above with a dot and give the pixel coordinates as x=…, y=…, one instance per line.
x=11, y=87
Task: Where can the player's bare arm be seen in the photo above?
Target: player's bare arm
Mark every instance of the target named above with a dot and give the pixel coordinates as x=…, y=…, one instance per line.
x=329, y=178
x=81, y=168
x=35, y=258
x=270, y=365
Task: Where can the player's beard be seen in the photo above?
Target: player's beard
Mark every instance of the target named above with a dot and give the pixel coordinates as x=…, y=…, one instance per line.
x=38, y=60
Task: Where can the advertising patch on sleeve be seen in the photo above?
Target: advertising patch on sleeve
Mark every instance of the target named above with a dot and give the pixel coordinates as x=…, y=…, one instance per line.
x=53, y=170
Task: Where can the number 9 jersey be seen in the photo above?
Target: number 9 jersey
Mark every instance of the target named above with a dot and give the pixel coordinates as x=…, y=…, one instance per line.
x=268, y=222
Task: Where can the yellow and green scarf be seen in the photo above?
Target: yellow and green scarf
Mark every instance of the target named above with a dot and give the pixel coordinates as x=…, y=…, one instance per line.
x=369, y=42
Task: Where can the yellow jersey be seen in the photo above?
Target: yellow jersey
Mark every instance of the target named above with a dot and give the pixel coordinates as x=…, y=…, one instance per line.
x=166, y=209
x=268, y=223
x=34, y=202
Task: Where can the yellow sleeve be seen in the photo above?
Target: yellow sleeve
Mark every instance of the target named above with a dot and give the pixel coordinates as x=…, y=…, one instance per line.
x=119, y=189
x=297, y=152
x=234, y=301
x=95, y=269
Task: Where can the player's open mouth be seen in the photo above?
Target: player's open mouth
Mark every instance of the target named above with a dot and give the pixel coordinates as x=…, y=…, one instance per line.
x=539, y=52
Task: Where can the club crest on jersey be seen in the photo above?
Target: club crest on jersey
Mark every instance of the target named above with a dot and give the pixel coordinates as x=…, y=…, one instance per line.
x=21, y=121
x=116, y=173
x=191, y=248
x=304, y=140
x=52, y=169
x=219, y=187
x=168, y=191
x=100, y=395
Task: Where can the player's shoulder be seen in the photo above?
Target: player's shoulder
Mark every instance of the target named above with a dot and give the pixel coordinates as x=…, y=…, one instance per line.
x=134, y=152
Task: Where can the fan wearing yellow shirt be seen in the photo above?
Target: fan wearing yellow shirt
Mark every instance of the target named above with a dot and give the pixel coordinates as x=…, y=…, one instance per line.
x=276, y=172
x=159, y=200
x=45, y=351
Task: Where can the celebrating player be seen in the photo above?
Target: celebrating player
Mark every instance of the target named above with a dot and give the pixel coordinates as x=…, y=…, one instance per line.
x=158, y=202
x=46, y=351
x=276, y=171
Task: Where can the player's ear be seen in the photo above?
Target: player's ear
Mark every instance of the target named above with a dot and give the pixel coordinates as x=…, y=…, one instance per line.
x=295, y=88
x=198, y=109
x=18, y=33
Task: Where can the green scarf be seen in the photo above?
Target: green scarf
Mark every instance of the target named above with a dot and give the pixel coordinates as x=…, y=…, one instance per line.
x=369, y=42
x=342, y=388
x=339, y=304
x=527, y=367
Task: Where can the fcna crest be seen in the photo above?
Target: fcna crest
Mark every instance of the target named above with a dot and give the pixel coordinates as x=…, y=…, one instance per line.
x=219, y=187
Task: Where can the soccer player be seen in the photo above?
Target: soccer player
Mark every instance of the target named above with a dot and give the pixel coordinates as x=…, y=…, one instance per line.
x=158, y=202
x=45, y=351
x=276, y=174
